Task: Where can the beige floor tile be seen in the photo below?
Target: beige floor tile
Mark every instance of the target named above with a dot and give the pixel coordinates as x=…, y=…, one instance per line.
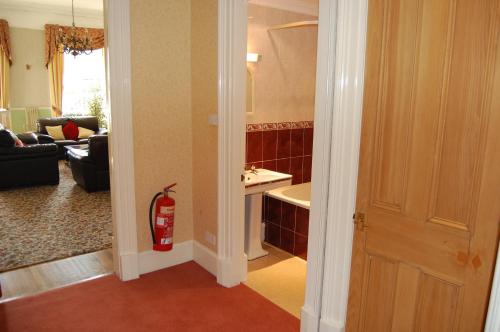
x=280, y=277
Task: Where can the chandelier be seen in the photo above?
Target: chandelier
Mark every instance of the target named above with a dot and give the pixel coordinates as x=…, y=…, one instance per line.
x=72, y=42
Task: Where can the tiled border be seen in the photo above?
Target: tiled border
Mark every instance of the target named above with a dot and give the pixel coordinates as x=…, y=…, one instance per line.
x=251, y=127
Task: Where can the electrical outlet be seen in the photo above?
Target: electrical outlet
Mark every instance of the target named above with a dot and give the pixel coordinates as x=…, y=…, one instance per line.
x=210, y=238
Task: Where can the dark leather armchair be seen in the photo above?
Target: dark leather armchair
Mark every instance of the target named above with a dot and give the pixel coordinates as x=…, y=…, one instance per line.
x=29, y=165
x=90, y=167
x=89, y=122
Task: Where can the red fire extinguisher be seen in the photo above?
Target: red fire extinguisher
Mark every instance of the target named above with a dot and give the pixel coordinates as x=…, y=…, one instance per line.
x=162, y=231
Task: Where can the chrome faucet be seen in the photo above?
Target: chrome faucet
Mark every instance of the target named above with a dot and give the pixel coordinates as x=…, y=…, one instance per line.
x=253, y=170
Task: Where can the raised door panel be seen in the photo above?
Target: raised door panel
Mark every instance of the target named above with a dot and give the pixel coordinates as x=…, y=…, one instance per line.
x=400, y=31
x=467, y=102
x=401, y=297
x=437, y=306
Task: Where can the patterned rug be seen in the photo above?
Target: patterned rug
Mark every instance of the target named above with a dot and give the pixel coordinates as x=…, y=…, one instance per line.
x=45, y=223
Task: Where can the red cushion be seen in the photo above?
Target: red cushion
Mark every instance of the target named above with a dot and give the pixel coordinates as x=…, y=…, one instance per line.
x=70, y=131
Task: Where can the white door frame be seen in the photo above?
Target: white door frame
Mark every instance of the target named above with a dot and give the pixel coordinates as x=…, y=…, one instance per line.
x=121, y=144
x=338, y=107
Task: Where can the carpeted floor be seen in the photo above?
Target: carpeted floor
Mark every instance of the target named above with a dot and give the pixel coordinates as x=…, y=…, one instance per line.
x=181, y=298
x=44, y=223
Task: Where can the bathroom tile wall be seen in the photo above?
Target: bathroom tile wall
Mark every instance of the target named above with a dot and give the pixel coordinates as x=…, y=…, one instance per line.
x=284, y=147
x=286, y=226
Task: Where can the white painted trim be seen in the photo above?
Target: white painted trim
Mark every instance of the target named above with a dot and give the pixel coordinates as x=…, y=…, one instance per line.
x=122, y=153
x=346, y=134
x=205, y=257
x=232, y=31
x=493, y=318
x=323, y=117
x=150, y=260
x=296, y=6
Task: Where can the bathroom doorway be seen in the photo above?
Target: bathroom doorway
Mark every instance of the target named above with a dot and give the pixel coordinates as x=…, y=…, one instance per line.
x=281, y=77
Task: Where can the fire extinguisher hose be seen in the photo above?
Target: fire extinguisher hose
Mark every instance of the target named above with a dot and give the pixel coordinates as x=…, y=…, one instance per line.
x=151, y=225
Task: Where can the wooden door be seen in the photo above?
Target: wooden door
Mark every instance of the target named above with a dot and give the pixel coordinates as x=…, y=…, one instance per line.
x=429, y=178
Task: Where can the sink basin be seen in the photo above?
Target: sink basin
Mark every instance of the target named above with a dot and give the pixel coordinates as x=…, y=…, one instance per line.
x=265, y=180
x=255, y=185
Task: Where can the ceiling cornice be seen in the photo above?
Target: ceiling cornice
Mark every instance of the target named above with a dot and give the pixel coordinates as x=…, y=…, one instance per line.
x=50, y=9
x=35, y=16
x=296, y=6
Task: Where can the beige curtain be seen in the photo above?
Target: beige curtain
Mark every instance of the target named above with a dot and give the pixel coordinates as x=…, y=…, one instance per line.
x=5, y=62
x=4, y=80
x=56, y=67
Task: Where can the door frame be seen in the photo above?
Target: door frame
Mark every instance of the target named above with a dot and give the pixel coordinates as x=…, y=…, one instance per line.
x=121, y=143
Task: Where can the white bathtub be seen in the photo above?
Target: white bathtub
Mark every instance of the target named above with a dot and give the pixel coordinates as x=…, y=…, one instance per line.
x=297, y=194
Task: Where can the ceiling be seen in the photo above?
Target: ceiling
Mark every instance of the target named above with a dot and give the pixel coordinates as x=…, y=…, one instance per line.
x=91, y=5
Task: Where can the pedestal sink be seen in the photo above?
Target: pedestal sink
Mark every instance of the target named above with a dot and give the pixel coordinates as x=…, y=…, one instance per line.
x=257, y=182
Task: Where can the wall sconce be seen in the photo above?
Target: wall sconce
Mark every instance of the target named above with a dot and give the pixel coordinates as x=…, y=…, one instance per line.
x=253, y=57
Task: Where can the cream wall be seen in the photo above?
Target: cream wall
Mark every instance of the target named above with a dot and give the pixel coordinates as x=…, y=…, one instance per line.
x=161, y=101
x=285, y=77
x=28, y=87
x=204, y=102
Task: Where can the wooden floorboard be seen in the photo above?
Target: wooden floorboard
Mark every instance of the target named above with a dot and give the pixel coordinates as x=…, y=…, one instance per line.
x=42, y=277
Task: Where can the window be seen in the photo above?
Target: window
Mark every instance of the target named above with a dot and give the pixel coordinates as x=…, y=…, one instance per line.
x=83, y=81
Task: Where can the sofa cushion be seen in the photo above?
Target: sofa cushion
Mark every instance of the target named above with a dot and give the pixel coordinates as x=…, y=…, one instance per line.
x=28, y=138
x=66, y=142
x=6, y=139
x=84, y=132
x=56, y=132
x=70, y=130
x=43, y=122
x=89, y=122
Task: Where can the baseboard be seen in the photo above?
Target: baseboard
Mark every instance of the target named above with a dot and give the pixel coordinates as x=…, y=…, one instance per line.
x=150, y=261
x=308, y=321
x=205, y=257
x=129, y=267
x=227, y=275
x=331, y=326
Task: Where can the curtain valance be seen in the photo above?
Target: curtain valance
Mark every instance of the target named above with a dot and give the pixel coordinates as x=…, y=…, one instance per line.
x=52, y=31
x=5, y=39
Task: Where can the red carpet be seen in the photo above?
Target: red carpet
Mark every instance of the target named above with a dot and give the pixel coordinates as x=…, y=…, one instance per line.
x=181, y=298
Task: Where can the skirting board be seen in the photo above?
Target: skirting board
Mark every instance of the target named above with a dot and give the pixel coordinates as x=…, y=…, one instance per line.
x=150, y=260
x=205, y=257
x=331, y=326
x=308, y=321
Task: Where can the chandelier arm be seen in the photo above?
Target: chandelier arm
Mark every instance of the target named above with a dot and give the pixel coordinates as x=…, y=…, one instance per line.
x=73, y=11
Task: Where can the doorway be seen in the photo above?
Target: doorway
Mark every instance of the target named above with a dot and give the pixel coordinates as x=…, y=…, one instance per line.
x=345, y=113
x=55, y=199
x=281, y=72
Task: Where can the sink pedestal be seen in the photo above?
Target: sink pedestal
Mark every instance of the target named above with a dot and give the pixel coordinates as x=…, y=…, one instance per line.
x=253, y=221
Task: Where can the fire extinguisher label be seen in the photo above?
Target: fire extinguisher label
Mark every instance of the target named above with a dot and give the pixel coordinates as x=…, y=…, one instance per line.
x=167, y=240
x=160, y=221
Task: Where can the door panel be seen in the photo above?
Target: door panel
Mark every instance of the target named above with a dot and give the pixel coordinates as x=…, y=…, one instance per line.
x=429, y=173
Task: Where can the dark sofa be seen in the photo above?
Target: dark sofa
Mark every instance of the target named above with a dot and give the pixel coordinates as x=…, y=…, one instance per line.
x=29, y=165
x=90, y=167
x=89, y=122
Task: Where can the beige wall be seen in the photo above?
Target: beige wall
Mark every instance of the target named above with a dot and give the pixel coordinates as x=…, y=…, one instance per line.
x=204, y=103
x=161, y=100
x=28, y=87
x=285, y=77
